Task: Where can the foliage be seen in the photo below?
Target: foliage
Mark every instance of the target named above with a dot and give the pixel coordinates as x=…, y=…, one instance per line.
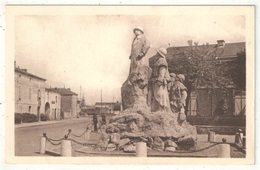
x=18, y=118
x=202, y=66
x=43, y=117
x=28, y=118
x=117, y=107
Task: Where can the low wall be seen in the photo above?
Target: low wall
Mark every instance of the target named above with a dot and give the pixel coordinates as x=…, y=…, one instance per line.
x=217, y=121
x=224, y=130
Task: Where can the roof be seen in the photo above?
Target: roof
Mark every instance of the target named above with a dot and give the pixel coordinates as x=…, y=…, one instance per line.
x=51, y=90
x=230, y=50
x=24, y=71
x=62, y=91
x=106, y=103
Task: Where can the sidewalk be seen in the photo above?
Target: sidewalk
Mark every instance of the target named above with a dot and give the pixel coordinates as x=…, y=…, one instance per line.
x=41, y=123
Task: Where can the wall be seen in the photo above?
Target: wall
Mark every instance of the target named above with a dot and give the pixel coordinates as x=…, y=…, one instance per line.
x=69, y=106
x=26, y=94
x=54, y=100
x=74, y=111
x=109, y=106
x=207, y=103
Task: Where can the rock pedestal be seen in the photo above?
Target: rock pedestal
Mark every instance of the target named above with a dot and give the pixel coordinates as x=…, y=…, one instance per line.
x=134, y=91
x=162, y=130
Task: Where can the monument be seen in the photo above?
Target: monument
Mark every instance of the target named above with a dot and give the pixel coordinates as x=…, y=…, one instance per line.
x=151, y=113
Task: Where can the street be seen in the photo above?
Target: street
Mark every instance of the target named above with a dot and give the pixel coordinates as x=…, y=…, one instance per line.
x=27, y=139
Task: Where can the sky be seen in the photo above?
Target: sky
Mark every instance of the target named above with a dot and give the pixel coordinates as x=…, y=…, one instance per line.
x=92, y=51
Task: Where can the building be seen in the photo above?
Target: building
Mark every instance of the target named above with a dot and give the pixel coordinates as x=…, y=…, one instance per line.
x=201, y=103
x=88, y=110
x=68, y=102
x=52, y=105
x=112, y=107
x=29, y=92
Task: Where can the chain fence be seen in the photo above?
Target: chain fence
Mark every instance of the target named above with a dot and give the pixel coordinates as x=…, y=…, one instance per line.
x=70, y=135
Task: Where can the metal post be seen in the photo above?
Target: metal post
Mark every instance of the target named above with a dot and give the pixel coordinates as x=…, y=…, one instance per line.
x=66, y=148
x=241, y=134
x=238, y=138
x=141, y=149
x=87, y=135
x=43, y=145
x=224, y=150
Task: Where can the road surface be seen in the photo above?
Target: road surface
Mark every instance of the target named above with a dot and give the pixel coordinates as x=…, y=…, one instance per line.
x=27, y=139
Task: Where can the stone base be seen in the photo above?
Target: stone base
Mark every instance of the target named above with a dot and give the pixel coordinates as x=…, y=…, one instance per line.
x=159, y=130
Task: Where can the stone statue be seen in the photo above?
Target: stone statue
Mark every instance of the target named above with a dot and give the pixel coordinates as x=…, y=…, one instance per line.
x=134, y=91
x=178, y=96
x=158, y=83
x=147, y=114
x=171, y=81
x=140, y=46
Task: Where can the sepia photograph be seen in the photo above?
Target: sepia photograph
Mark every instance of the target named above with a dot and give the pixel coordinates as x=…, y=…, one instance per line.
x=160, y=84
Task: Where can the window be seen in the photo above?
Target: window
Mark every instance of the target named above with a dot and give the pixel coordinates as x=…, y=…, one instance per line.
x=30, y=79
x=193, y=105
x=19, y=93
x=240, y=103
x=39, y=94
x=56, y=99
x=29, y=110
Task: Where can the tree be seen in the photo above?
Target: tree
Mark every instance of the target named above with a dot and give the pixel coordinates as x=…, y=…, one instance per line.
x=202, y=67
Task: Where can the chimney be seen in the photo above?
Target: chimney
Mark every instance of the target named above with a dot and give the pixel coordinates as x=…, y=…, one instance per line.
x=221, y=43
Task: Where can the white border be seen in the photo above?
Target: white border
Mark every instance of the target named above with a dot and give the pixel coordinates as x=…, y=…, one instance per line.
x=116, y=2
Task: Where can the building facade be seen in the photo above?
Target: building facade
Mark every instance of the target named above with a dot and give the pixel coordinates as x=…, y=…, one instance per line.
x=29, y=92
x=68, y=107
x=112, y=107
x=202, y=102
x=52, y=106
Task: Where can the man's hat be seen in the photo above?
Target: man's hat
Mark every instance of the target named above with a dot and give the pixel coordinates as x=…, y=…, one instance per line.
x=173, y=75
x=181, y=77
x=162, y=52
x=138, y=28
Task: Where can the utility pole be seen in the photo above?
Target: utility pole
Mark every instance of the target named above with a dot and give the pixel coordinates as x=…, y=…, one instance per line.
x=103, y=116
x=101, y=102
x=79, y=92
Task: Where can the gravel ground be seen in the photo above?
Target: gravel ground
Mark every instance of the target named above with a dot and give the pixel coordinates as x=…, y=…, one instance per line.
x=202, y=150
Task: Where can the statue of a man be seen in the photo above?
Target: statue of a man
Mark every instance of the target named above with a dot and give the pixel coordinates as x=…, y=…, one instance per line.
x=158, y=83
x=140, y=46
x=178, y=95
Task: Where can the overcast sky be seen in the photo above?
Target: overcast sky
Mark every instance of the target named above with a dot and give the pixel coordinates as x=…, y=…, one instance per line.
x=92, y=51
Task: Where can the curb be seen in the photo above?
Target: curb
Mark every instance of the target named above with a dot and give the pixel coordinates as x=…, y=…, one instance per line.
x=25, y=125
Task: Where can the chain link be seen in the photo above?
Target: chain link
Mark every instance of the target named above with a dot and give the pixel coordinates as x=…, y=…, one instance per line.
x=79, y=135
x=48, y=139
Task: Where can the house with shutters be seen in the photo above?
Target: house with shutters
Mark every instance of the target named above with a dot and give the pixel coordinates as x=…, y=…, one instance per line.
x=68, y=102
x=52, y=105
x=29, y=92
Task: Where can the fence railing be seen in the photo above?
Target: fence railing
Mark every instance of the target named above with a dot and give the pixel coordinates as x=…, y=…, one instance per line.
x=141, y=147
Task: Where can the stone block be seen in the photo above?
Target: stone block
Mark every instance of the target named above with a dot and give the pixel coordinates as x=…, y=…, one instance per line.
x=123, y=142
x=129, y=148
x=115, y=138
